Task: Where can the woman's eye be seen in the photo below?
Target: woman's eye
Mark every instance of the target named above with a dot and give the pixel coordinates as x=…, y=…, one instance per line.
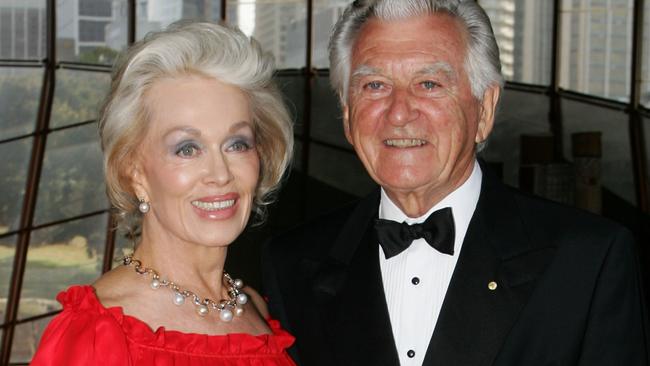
x=187, y=150
x=239, y=146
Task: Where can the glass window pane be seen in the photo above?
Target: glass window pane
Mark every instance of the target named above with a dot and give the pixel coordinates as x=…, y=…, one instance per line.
x=60, y=256
x=153, y=15
x=293, y=88
x=91, y=31
x=645, y=64
x=20, y=90
x=13, y=176
x=520, y=113
x=78, y=96
x=524, y=32
x=596, y=49
x=72, y=181
x=7, y=251
x=279, y=25
x=26, y=339
x=326, y=13
x=22, y=29
x=326, y=116
x=616, y=161
x=339, y=169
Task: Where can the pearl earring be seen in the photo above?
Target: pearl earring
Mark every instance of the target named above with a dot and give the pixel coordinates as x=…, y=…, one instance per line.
x=144, y=206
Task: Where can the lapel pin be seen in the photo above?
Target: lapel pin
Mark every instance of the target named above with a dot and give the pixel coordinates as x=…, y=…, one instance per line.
x=492, y=285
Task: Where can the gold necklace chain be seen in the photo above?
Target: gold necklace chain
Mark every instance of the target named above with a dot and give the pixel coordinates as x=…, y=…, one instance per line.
x=226, y=308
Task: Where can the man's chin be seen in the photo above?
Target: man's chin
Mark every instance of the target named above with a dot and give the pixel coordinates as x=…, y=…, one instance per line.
x=406, y=184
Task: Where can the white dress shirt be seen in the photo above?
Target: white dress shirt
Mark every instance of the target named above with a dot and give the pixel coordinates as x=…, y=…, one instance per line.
x=416, y=280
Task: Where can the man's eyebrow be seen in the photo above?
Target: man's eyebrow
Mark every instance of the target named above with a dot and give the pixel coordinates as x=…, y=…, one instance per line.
x=364, y=70
x=438, y=67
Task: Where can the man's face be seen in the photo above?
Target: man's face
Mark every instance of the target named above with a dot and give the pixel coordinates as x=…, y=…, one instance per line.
x=410, y=114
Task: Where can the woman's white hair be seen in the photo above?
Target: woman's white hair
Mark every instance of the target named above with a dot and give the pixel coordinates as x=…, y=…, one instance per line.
x=482, y=62
x=191, y=48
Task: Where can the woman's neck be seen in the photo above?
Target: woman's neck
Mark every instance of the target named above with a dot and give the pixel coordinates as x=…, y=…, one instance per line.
x=195, y=267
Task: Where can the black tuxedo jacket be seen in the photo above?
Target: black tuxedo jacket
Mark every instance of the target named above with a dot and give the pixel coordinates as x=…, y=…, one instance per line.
x=568, y=289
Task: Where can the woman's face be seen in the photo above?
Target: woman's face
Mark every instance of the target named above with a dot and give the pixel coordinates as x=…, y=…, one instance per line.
x=197, y=166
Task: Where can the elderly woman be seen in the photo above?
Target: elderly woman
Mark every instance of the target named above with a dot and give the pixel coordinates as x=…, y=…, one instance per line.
x=195, y=137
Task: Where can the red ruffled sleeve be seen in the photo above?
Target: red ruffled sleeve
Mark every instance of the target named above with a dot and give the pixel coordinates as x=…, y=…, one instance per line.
x=82, y=334
x=86, y=333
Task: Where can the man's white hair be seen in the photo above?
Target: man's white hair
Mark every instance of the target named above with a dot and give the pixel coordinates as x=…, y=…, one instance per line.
x=482, y=62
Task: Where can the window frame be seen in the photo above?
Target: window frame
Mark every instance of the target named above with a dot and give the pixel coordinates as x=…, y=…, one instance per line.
x=635, y=110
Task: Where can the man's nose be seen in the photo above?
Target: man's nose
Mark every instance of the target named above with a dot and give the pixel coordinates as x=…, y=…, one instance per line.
x=217, y=169
x=401, y=110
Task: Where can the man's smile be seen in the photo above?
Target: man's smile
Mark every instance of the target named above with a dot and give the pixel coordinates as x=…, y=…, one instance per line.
x=404, y=143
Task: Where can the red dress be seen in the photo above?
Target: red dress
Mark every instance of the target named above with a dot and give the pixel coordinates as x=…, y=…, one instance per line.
x=87, y=333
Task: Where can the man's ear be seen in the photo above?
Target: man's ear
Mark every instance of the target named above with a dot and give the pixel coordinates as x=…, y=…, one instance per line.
x=487, y=113
x=346, y=123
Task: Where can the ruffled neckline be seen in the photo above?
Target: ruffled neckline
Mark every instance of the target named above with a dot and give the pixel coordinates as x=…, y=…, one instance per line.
x=84, y=299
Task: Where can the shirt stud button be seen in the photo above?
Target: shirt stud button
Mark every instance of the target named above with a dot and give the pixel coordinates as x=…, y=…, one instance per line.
x=410, y=353
x=415, y=280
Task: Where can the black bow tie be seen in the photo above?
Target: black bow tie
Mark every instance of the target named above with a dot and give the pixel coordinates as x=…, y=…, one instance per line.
x=437, y=230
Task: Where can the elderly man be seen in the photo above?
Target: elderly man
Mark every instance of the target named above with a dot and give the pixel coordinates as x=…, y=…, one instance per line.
x=444, y=265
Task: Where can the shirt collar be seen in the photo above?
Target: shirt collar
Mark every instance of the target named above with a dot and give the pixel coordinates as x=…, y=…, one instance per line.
x=462, y=201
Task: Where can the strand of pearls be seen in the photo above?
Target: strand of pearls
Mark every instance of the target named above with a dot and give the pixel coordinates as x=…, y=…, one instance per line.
x=227, y=308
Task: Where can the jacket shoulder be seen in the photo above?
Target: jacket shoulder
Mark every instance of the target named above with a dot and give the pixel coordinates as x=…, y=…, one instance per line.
x=313, y=237
x=561, y=223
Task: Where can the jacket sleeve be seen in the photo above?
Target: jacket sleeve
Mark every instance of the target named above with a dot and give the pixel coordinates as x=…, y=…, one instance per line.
x=76, y=338
x=617, y=326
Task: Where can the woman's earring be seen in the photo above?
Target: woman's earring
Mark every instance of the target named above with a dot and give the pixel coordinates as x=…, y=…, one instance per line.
x=144, y=206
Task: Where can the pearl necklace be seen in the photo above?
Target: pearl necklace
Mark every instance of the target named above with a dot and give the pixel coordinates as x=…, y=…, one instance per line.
x=226, y=308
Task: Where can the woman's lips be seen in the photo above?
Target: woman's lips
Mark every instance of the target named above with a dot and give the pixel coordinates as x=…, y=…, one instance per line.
x=217, y=207
x=213, y=206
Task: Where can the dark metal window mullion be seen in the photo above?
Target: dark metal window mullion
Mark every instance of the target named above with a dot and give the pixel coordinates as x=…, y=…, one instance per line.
x=308, y=76
x=555, y=111
x=637, y=143
x=31, y=189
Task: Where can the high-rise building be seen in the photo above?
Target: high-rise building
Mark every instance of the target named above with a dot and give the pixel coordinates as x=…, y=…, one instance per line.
x=165, y=12
x=326, y=13
x=597, y=47
x=152, y=15
x=280, y=29
x=23, y=29
x=81, y=26
x=523, y=29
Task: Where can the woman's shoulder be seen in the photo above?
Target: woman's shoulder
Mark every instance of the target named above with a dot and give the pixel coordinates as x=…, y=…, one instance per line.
x=77, y=297
x=83, y=330
x=258, y=302
x=80, y=301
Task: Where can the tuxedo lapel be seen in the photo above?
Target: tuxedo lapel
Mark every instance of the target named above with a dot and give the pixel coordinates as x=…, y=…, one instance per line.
x=349, y=287
x=494, y=276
